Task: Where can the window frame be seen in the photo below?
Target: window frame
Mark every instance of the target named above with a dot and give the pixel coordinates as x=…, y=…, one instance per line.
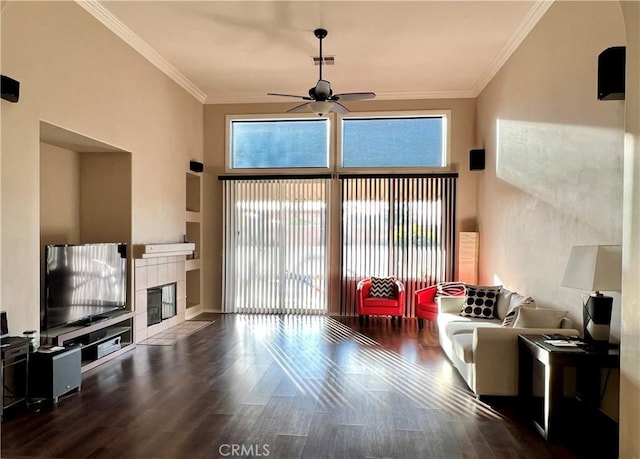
x=446, y=140
x=229, y=119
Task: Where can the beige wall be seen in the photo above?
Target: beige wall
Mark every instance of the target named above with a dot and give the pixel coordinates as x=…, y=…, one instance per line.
x=462, y=140
x=630, y=342
x=554, y=156
x=105, y=197
x=59, y=195
x=78, y=75
x=555, y=160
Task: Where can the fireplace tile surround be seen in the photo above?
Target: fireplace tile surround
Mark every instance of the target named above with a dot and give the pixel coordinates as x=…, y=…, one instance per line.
x=155, y=272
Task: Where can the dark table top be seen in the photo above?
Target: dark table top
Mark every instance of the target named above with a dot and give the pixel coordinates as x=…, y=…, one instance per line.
x=581, y=347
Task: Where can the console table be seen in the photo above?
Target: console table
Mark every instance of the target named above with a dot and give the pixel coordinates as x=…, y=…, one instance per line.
x=14, y=356
x=547, y=416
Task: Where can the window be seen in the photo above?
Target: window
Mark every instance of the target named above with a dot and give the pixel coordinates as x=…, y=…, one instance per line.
x=402, y=141
x=396, y=208
x=289, y=143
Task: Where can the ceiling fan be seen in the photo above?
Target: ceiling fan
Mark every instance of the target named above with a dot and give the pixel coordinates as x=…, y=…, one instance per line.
x=321, y=98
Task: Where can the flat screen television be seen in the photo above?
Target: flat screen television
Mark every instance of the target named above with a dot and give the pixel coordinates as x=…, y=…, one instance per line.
x=82, y=282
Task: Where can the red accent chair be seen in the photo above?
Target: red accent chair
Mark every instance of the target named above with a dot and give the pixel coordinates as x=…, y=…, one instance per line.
x=374, y=306
x=426, y=306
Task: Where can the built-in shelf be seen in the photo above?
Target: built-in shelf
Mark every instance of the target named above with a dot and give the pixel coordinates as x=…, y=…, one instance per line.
x=193, y=216
x=193, y=292
x=192, y=264
x=163, y=250
x=193, y=233
x=193, y=192
x=193, y=236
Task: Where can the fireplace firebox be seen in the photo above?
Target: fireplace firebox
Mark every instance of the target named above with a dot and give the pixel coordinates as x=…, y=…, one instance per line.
x=161, y=303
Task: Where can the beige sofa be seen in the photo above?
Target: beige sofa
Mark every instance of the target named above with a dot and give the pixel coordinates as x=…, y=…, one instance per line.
x=485, y=352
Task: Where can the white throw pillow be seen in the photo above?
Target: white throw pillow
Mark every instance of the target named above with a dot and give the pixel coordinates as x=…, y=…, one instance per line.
x=508, y=301
x=539, y=318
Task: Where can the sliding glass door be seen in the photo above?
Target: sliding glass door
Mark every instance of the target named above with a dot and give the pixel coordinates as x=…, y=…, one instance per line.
x=275, y=246
x=401, y=226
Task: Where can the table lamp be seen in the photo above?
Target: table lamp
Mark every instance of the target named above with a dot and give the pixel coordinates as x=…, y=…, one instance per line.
x=595, y=268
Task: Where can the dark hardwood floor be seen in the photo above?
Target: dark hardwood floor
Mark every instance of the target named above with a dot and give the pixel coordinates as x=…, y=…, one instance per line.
x=280, y=387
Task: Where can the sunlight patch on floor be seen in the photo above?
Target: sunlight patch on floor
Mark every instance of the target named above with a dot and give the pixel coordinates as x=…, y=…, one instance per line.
x=351, y=369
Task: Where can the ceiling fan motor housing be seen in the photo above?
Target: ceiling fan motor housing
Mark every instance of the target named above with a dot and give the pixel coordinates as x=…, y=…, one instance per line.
x=322, y=90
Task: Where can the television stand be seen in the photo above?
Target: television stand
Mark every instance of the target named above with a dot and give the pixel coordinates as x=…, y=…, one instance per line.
x=101, y=341
x=89, y=321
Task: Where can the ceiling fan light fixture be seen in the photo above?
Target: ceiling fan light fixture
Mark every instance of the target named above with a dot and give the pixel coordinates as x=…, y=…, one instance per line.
x=321, y=108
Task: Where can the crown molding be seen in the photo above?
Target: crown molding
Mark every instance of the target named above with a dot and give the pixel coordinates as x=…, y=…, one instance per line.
x=99, y=12
x=515, y=40
x=390, y=95
x=409, y=95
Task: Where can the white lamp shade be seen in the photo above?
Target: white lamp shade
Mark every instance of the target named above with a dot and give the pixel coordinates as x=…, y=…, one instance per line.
x=594, y=268
x=321, y=108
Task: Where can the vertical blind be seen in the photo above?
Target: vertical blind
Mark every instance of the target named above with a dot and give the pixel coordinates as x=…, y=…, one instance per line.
x=275, y=246
x=401, y=226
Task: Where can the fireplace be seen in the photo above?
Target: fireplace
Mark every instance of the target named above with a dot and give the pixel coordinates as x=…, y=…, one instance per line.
x=161, y=303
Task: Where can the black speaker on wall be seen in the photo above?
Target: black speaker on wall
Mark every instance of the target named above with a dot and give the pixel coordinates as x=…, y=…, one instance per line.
x=476, y=160
x=611, y=73
x=196, y=166
x=10, y=88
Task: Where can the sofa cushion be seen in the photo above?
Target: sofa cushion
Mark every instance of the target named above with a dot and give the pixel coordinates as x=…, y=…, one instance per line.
x=382, y=287
x=380, y=302
x=539, y=318
x=481, y=301
x=450, y=304
x=454, y=328
x=508, y=301
x=462, y=345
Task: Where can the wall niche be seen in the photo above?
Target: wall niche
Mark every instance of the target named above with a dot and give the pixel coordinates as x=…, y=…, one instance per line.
x=85, y=192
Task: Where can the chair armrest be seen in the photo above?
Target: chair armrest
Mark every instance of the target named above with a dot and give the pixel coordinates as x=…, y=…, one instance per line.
x=451, y=304
x=399, y=285
x=426, y=295
x=492, y=344
x=566, y=323
x=486, y=337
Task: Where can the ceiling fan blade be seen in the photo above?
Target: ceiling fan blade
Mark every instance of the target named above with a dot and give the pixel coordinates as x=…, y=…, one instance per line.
x=339, y=108
x=354, y=96
x=289, y=95
x=298, y=108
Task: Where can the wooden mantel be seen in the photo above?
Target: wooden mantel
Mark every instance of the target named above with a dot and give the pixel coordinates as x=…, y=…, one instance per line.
x=163, y=250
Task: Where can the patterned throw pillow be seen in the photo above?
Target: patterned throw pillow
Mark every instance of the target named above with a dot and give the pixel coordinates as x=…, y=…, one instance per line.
x=382, y=287
x=451, y=289
x=481, y=301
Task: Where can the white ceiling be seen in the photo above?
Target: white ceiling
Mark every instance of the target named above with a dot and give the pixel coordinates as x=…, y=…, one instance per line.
x=237, y=51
